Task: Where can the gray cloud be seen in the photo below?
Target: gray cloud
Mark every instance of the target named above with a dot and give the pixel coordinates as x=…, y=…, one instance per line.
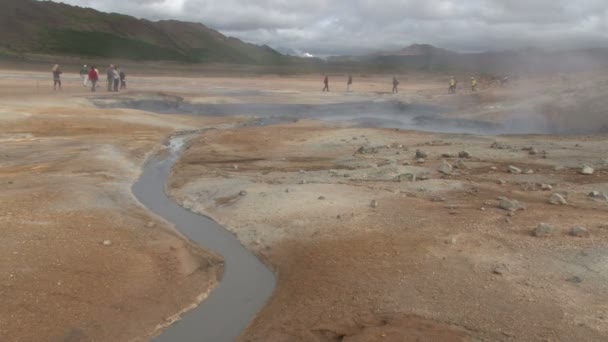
x=327, y=27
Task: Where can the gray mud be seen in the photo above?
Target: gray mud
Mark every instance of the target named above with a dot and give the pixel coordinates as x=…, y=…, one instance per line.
x=379, y=113
x=246, y=284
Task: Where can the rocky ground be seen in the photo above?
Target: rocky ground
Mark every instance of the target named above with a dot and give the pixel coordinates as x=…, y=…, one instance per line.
x=80, y=258
x=391, y=235
x=376, y=234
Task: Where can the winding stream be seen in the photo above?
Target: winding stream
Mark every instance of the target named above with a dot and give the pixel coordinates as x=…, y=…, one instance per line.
x=246, y=284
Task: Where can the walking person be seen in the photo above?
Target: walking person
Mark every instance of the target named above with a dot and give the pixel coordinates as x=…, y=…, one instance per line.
x=395, y=85
x=326, y=82
x=84, y=74
x=116, y=75
x=452, y=85
x=349, y=82
x=93, y=76
x=473, y=84
x=123, y=79
x=110, y=76
x=56, y=77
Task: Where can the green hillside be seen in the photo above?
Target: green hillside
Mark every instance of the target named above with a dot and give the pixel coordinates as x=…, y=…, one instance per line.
x=29, y=26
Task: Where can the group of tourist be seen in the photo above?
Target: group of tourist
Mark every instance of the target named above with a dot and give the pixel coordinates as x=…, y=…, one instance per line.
x=117, y=78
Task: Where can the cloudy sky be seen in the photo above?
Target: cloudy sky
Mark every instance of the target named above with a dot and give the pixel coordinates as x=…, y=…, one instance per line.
x=331, y=27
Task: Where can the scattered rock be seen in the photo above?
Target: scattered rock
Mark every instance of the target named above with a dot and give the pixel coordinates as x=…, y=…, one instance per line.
x=500, y=269
x=533, y=151
x=460, y=164
x=374, y=204
x=546, y=187
x=502, y=182
x=236, y=167
x=575, y=280
x=151, y=224
x=493, y=168
x=406, y=177
x=529, y=172
x=510, y=205
x=420, y=161
x=243, y=193
x=321, y=198
x=587, y=170
x=501, y=146
x=445, y=168
x=303, y=181
x=384, y=163
x=464, y=154
x=579, y=231
x=558, y=168
x=424, y=176
x=596, y=195
x=557, y=199
x=367, y=150
x=447, y=155
x=421, y=154
x=287, y=190
x=107, y=243
x=407, y=163
x=543, y=230
x=513, y=169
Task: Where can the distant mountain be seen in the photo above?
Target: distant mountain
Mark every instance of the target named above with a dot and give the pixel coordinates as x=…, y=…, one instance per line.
x=424, y=57
x=29, y=26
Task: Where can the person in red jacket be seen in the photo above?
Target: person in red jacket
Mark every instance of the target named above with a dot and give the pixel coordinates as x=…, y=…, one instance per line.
x=93, y=77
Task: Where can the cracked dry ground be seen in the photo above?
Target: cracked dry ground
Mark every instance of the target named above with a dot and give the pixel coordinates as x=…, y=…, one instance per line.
x=421, y=265
x=66, y=170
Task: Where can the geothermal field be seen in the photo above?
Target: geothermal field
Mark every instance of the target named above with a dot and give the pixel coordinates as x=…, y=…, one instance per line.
x=263, y=209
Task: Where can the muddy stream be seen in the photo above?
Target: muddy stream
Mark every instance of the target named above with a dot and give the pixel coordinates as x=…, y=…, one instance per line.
x=246, y=283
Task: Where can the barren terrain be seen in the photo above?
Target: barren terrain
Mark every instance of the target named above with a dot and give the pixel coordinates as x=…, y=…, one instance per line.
x=370, y=241
x=81, y=260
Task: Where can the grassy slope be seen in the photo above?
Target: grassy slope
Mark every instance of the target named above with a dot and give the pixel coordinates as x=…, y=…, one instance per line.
x=28, y=26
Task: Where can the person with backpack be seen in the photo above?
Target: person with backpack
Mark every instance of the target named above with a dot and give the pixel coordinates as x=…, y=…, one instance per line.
x=326, y=82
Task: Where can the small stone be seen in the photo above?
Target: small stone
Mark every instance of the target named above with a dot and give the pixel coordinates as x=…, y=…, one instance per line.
x=303, y=181
x=587, y=170
x=420, y=161
x=421, y=154
x=557, y=199
x=287, y=190
x=151, y=224
x=500, y=269
x=447, y=155
x=596, y=195
x=107, y=243
x=501, y=146
x=339, y=217
x=243, y=193
x=406, y=177
x=529, y=172
x=493, y=168
x=236, y=167
x=321, y=198
x=502, y=182
x=543, y=230
x=579, y=231
x=575, y=280
x=533, y=151
x=559, y=168
x=464, y=154
x=445, y=168
x=406, y=163
x=510, y=205
x=546, y=187
x=374, y=204
x=513, y=169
